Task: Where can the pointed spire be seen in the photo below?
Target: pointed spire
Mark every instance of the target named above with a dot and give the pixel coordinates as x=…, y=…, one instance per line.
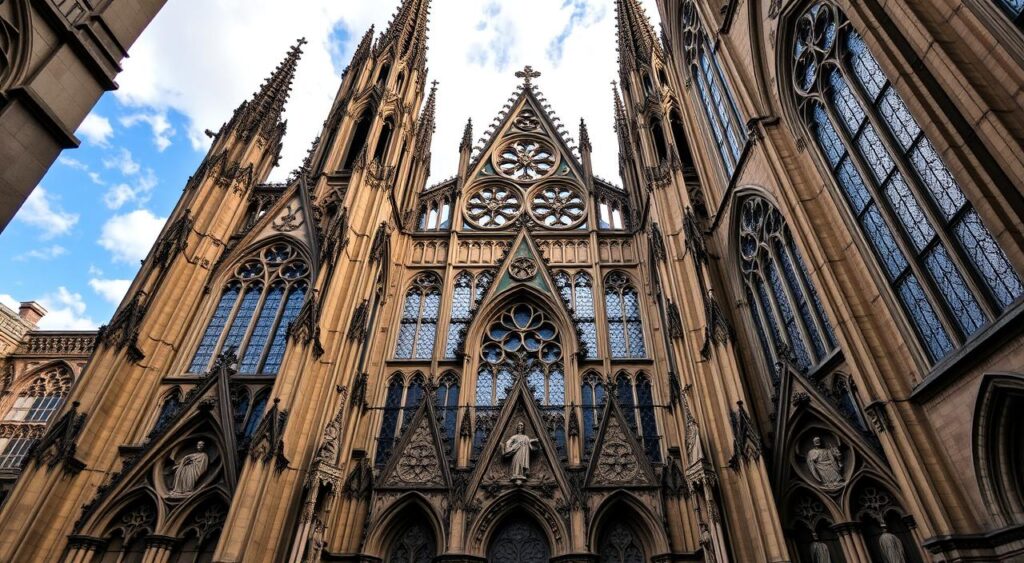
x=263, y=112
x=426, y=125
x=585, y=137
x=620, y=109
x=636, y=34
x=407, y=31
x=467, y=136
x=362, y=51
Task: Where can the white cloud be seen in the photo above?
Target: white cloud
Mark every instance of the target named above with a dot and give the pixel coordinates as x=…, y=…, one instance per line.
x=96, y=129
x=46, y=253
x=9, y=301
x=111, y=290
x=129, y=237
x=42, y=212
x=475, y=47
x=76, y=164
x=123, y=162
x=162, y=130
x=138, y=192
x=65, y=311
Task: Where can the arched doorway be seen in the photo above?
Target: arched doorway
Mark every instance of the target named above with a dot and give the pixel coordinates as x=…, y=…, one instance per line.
x=414, y=545
x=519, y=540
x=619, y=544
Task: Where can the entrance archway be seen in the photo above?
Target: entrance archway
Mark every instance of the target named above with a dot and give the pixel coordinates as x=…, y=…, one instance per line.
x=519, y=540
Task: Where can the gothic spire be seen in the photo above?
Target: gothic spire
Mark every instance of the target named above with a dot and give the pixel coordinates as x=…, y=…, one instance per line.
x=426, y=125
x=620, y=110
x=636, y=38
x=263, y=112
x=467, y=136
x=584, y=137
x=362, y=51
x=407, y=32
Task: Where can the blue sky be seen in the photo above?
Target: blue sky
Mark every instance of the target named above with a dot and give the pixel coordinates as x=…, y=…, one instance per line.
x=77, y=242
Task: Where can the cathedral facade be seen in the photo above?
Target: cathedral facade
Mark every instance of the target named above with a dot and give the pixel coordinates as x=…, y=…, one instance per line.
x=791, y=333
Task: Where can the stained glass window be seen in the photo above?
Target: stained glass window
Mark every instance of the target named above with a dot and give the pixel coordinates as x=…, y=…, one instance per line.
x=245, y=325
x=712, y=90
x=389, y=423
x=636, y=399
x=448, y=403
x=414, y=545
x=625, y=323
x=578, y=292
x=592, y=392
x=784, y=304
x=949, y=273
x=418, y=329
x=35, y=403
x=1013, y=7
x=255, y=415
x=462, y=307
x=168, y=410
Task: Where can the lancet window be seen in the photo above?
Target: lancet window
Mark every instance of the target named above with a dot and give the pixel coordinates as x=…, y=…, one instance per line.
x=787, y=314
x=944, y=265
x=418, y=329
x=620, y=545
x=36, y=403
x=610, y=215
x=447, y=395
x=578, y=292
x=465, y=295
x=636, y=400
x=435, y=215
x=400, y=405
x=257, y=304
x=712, y=90
x=592, y=394
x=625, y=325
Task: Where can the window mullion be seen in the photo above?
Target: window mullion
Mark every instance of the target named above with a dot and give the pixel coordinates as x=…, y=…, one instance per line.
x=774, y=309
x=924, y=198
x=278, y=317
x=801, y=275
x=794, y=304
x=900, y=236
x=243, y=343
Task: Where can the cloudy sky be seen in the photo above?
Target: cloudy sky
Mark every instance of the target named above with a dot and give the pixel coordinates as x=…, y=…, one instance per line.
x=78, y=240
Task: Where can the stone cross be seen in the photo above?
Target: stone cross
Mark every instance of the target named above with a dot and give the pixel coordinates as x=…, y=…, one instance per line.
x=527, y=74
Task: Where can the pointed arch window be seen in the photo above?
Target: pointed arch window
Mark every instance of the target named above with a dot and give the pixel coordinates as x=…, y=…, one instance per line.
x=465, y=295
x=611, y=214
x=257, y=304
x=448, y=403
x=418, y=329
x=625, y=325
x=620, y=545
x=169, y=408
x=435, y=215
x=944, y=265
x=592, y=395
x=400, y=406
x=578, y=292
x=37, y=404
x=636, y=399
x=713, y=92
x=787, y=314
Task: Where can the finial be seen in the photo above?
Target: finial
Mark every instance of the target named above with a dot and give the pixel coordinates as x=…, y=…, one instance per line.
x=433, y=85
x=527, y=74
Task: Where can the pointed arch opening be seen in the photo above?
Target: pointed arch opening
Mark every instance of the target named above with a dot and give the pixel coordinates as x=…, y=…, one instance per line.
x=408, y=531
x=624, y=530
x=810, y=523
x=359, y=138
x=886, y=526
x=380, y=152
x=518, y=539
x=999, y=446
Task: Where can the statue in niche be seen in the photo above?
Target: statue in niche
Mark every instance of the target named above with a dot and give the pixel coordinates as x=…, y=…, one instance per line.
x=329, y=445
x=825, y=463
x=707, y=543
x=518, y=447
x=188, y=470
x=819, y=551
x=892, y=547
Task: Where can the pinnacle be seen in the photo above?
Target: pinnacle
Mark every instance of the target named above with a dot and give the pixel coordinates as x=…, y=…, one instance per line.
x=467, y=136
x=636, y=34
x=264, y=110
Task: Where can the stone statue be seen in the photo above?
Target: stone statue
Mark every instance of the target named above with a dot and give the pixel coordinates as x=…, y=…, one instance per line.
x=819, y=551
x=825, y=463
x=316, y=542
x=518, y=447
x=329, y=444
x=188, y=470
x=892, y=547
x=707, y=543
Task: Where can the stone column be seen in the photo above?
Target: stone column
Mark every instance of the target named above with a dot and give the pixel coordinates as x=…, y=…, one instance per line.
x=159, y=549
x=82, y=549
x=852, y=540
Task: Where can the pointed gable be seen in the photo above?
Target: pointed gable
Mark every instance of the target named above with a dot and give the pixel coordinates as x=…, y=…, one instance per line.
x=523, y=265
x=419, y=461
x=291, y=216
x=618, y=460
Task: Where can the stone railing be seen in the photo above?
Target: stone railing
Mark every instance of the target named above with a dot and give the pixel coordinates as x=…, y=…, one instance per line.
x=59, y=343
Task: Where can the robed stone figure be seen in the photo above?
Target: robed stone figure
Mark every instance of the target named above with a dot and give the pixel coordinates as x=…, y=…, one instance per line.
x=518, y=447
x=188, y=470
x=825, y=463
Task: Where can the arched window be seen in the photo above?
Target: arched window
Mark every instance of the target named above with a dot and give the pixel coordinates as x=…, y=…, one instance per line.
x=36, y=404
x=592, y=401
x=384, y=140
x=250, y=418
x=519, y=540
x=400, y=406
x=1015, y=8
x=521, y=338
x=682, y=144
x=713, y=91
x=466, y=293
x=610, y=215
x=200, y=535
x=943, y=263
x=169, y=408
x=435, y=215
x=787, y=314
x=636, y=400
x=359, y=136
x=272, y=287
x=578, y=292
x=448, y=403
x=620, y=545
x=625, y=326
x=418, y=330
x=382, y=76
x=658, y=136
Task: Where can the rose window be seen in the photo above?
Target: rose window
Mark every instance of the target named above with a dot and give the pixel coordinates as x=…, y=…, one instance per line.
x=526, y=159
x=558, y=206
x=493, y=207
x=521, y=342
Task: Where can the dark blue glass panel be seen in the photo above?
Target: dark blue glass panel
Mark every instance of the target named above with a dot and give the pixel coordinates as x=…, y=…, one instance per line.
x=292, y=307
x=208, y=346
x=624, y=393
x=935, y=338
x=389, y=424
x=648, y=422
x=261, y=332
x=243, y=317
x=989, y=259
x=966, y=311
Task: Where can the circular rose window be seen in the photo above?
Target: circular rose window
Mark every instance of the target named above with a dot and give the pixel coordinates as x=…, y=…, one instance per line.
x=526, y=159
x=557, y=206
x=493, y=206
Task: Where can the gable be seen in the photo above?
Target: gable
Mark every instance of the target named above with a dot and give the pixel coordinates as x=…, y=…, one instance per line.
x=618, y=459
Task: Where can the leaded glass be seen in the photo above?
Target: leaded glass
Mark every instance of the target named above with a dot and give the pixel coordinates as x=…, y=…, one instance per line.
x=578, y=292
x=413, y=396
x=448, y=403
x=625, y=323
x=418, y=328
x=167, y=412
x=462, y=297
x=592, y=392
x=389, y=423
x=522, y=341
x=255, y=416
x=648, y=423
x=712, y=90
x=624, y=394
x=277, y=270
x=519, y=541
x=1014, y=7
x=778, y=288
x=952, y=274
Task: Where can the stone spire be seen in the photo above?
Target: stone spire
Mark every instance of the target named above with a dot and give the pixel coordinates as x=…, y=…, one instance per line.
x=584, y=137
x=406, y=34
x=621, y=125
x=426, y=125
x=362, y=51
x=636, y=38
x=263, y=113
x=467, y=136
